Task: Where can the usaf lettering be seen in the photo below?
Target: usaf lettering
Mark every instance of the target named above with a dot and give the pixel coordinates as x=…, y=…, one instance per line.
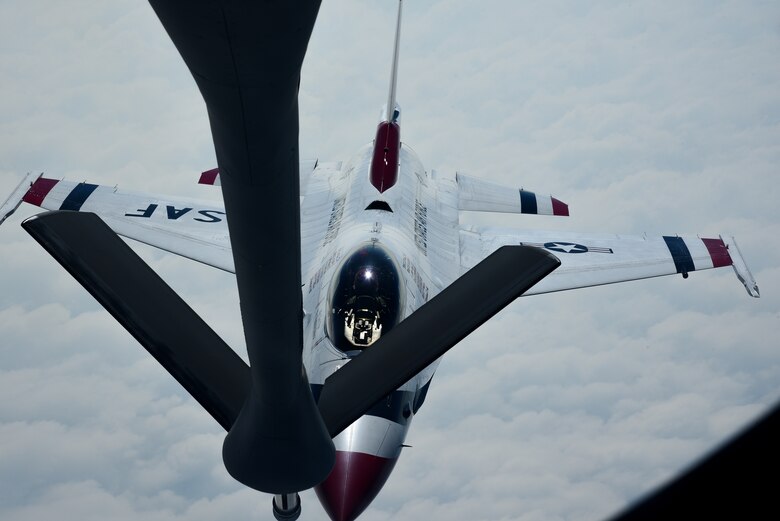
x=173, y=213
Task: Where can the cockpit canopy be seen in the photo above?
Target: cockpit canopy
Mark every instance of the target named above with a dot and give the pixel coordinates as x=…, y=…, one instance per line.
x=365, y=299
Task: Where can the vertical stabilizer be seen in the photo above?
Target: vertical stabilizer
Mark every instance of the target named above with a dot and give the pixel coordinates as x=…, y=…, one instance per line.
x=387, y=143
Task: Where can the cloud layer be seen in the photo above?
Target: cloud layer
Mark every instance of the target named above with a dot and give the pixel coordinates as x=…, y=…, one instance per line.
x=644, y=117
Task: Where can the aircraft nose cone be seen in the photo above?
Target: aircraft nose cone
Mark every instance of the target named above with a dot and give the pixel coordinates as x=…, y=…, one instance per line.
x=354, y=482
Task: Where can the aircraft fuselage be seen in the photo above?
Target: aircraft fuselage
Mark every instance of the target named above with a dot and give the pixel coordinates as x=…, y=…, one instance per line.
x=409, y=229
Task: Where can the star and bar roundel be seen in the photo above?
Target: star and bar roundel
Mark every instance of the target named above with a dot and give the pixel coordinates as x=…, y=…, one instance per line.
x=568, y=247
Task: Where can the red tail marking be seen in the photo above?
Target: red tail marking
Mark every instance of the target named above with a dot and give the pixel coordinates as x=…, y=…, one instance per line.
x=209, y=176
x=384, y=163
x=559, y=207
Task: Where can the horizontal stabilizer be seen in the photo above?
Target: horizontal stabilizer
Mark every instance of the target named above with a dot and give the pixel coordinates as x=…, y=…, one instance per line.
x=307, y=166
x=482, y=196
x=148, y=308
x=430, y=332
x=210, y=177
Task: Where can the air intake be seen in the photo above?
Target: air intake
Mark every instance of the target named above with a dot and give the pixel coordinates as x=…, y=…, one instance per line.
x=379, y=205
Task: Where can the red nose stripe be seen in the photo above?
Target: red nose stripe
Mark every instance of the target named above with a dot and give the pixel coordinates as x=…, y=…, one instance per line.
x=354, y=482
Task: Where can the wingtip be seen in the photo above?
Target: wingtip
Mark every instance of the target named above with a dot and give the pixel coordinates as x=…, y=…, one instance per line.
x=741, y=268
x=18, y=195
x=752, y=289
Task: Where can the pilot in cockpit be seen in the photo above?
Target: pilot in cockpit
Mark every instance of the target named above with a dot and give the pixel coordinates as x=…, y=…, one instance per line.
x=365, y=299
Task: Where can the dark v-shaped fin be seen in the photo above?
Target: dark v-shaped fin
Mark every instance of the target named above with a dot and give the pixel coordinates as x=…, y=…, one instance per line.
x=431, y=331
x=148, y=308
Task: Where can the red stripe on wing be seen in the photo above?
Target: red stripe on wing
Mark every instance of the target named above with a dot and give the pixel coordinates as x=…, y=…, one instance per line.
x=39, y=190
x=719, y=253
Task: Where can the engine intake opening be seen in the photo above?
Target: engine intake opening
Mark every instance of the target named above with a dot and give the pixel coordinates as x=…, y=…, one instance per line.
x=379, y=205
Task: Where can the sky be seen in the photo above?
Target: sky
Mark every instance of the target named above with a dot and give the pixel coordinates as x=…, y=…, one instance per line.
x=645, y=116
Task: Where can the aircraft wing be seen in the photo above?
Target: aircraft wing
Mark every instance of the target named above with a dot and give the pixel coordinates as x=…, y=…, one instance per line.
x=593, y=260
x=191, y=228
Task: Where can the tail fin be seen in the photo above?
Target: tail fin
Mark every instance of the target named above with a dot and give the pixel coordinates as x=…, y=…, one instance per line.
x=387, y=144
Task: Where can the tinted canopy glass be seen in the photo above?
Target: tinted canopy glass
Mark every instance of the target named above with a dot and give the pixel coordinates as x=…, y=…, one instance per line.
x=365, y=299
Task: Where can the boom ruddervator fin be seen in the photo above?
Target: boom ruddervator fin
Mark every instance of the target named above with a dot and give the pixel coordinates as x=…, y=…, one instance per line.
x=123, y=283
x=431, y=331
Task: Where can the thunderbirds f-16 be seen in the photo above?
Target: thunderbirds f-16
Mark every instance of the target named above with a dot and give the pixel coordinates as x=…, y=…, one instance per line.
x=354, y=277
